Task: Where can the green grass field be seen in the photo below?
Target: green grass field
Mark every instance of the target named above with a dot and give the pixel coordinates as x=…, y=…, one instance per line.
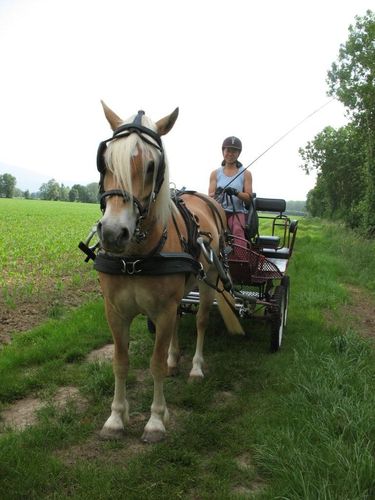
x=39, y=255
x=298, y=424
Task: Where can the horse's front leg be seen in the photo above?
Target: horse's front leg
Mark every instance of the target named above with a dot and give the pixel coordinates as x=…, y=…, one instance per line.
x=114, y=426
x=174, y=350
x=206, y=297
x=165, y=325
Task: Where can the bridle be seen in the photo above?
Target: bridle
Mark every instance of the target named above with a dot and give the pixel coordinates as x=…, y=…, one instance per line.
x=150, y=137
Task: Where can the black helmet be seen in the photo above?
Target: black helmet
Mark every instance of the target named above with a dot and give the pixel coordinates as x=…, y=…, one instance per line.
x=232, y=142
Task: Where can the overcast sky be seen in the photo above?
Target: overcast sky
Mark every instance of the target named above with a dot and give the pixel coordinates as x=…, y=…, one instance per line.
x=247, y=68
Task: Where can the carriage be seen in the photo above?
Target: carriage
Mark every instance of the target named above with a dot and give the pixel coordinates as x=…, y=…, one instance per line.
x=254, y=268
x=163, y=254
x=257, y=265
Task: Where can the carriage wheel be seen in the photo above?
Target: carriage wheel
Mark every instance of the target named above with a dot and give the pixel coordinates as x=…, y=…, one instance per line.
x=285, y=282
x=150, y=326
x=277, y=318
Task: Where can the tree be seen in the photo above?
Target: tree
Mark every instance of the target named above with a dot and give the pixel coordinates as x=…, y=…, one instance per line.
x=64, y=193
x=92, y=191
x=7, y=185
x=352, y=81
x=73, y=194
x=80, y=193
x=338, y=156
x=50, y=190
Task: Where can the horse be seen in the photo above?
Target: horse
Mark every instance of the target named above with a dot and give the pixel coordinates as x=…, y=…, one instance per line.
x=145, y=262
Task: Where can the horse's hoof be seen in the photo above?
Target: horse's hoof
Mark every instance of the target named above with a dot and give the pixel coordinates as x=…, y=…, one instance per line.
x=193, y=379
x=153, y=436
x=111, y=434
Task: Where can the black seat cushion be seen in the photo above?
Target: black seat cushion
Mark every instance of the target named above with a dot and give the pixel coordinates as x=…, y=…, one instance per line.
x=267, y=241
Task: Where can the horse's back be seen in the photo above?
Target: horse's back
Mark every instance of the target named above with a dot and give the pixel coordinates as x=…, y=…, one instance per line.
x=209, y=214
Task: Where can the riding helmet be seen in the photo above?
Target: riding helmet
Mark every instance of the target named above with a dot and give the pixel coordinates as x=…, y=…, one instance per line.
x=232, y=142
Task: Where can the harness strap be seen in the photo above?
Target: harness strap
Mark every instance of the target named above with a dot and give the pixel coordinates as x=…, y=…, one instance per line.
x=211, y=205
x=156, y=265
x=192, y=226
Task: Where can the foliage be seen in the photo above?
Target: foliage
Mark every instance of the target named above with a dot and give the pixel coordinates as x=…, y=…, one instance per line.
x=338, y=156
x=295, y=206
x=84, y=194
x=351, y=79
x=7, y=185
x=345, y=158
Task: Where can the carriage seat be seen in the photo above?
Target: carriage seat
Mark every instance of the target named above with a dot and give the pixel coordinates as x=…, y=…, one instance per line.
x=267, y=241
x=283, y=252
x=276, y=205
x=276, y=246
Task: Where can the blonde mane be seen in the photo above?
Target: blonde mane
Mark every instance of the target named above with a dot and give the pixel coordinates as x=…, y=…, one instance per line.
x=119, y=158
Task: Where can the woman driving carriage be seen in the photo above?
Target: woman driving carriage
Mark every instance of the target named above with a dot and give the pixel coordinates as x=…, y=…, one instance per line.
x=231, y=186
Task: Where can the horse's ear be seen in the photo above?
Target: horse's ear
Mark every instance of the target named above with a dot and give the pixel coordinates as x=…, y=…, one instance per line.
x=165, y=124
x=114, y=120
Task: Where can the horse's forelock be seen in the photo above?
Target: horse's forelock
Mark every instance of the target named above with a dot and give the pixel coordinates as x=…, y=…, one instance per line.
x=119, y=156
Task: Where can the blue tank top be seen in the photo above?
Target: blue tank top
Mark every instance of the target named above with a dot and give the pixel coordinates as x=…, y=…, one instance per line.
x=222, y=181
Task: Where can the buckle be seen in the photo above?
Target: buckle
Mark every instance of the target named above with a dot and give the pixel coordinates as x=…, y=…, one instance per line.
x=130, y=267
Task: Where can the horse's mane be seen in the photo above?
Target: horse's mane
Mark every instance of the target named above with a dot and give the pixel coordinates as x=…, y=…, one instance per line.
x=119, y=157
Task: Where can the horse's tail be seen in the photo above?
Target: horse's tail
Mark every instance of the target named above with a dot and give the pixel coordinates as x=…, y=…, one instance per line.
x=225, y=302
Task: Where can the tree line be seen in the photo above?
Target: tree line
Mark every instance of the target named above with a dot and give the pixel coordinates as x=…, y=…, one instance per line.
x=344, y=158
x=50, y=190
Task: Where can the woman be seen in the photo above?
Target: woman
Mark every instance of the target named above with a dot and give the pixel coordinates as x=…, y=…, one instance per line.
x=231, y=186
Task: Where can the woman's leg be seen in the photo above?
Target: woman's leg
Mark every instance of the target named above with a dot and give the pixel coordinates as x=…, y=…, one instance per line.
x=236, y=224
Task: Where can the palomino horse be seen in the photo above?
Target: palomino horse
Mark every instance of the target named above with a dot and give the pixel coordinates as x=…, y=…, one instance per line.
x=145, y=263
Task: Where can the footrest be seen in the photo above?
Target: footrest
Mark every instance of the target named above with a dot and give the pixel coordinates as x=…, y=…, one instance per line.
x=277, y=253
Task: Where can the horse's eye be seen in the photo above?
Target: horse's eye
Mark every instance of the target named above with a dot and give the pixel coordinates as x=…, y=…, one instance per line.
x=150, y=168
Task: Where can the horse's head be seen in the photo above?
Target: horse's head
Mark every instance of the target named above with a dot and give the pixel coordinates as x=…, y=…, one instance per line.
x=134, y=182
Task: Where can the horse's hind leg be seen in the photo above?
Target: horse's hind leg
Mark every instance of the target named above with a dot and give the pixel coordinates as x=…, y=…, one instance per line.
x=155, y=428
x=114, y=426
x=206, y=297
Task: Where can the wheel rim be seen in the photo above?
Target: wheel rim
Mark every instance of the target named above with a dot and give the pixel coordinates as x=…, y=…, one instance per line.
x=278, y=321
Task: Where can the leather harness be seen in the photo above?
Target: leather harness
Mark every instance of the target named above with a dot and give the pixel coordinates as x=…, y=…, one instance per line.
x=156, y=262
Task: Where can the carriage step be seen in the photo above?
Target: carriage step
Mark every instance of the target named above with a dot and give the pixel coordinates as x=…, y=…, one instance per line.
x=242, y=296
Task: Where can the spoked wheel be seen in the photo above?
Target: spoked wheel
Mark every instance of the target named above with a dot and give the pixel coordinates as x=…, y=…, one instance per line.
x=285, y=282
x=278, y=318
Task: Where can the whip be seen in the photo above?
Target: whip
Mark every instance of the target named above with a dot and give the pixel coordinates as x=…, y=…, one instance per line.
x=280, y=139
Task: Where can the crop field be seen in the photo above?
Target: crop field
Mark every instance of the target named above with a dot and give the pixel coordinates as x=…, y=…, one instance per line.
x=298, y=424
x=39, y=256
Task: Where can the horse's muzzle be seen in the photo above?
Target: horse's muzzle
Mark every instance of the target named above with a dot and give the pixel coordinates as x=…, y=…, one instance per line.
x=113, y=238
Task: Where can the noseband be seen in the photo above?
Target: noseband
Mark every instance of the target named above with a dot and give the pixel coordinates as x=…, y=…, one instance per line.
x=146, y=135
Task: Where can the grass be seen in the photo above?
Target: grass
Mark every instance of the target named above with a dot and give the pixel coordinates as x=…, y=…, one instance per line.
x=296, y=424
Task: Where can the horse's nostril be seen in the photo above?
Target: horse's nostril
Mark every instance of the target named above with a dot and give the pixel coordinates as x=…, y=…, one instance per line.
x=125, y=233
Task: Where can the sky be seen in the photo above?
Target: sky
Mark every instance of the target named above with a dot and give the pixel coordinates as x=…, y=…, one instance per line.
x=246, y=68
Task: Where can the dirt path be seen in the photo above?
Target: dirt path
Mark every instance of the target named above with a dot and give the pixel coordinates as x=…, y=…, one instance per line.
x=358, y=314
x=30, y=313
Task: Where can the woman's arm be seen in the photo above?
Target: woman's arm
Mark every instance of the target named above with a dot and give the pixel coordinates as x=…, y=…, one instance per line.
x=212, y=186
